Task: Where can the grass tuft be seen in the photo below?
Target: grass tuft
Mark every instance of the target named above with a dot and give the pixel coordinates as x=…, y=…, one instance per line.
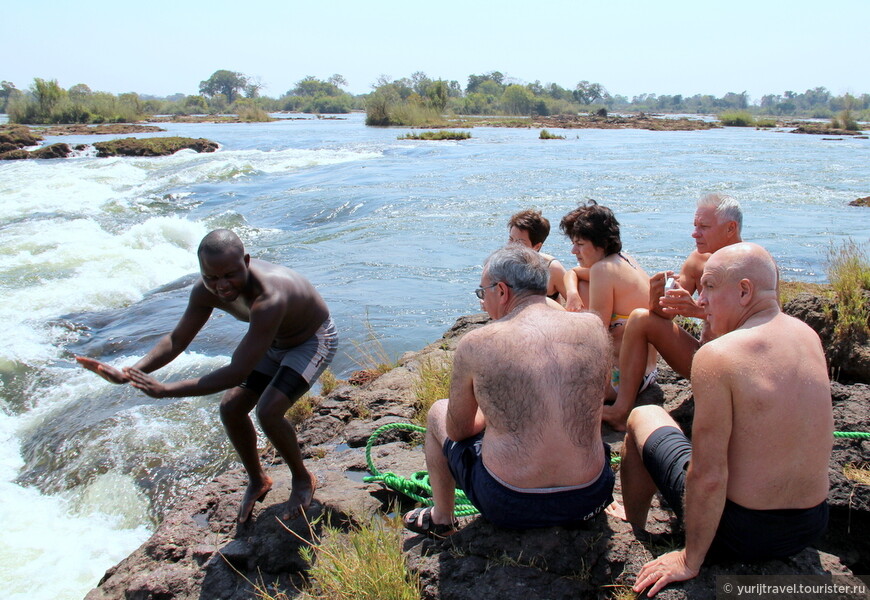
x=328, y=382
x=436, y=135
x=302, y=408
x=434, y=384
x=849, y=274
x=546, y=135
x=365, y=563
x=371, y=354
x=859, y=473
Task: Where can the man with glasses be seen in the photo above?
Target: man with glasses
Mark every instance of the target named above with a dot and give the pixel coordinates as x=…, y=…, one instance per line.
x=520, y=433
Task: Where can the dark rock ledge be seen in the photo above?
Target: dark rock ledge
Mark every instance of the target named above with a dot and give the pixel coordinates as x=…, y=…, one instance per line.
x=199, y=553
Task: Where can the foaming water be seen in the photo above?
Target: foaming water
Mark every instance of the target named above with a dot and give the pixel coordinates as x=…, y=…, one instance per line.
x=99, y=256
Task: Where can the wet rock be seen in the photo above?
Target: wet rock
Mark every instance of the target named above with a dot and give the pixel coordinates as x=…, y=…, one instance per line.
x=153, y=146
x=861, y=201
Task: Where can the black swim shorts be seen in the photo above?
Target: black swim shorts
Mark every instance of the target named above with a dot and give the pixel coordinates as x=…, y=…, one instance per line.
x=743, y=533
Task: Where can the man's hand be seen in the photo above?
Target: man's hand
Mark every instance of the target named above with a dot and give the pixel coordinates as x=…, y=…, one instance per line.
x=656, y=291
x=144, y=382
x=665, y=569
x=107, y=372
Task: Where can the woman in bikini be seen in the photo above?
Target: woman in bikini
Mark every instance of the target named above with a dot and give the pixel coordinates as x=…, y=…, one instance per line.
x=607, y=281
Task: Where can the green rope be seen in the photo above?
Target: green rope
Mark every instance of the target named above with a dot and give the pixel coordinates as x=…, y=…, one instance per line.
x=417, y=486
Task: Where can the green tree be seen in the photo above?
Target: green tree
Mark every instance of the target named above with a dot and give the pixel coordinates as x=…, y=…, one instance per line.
x=47, y=94
x=79, y=92
x=587, y=93
x=228, y=83
x=517, y=100
x=8, y=91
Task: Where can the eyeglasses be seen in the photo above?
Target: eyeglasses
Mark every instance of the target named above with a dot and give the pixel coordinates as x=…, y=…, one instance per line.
x=479, y=291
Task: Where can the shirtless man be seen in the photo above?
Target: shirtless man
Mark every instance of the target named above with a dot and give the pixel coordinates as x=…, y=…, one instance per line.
x=530, y=228
x=757, y=478
x=290, y=341
x=520, y=433
x=718, y=221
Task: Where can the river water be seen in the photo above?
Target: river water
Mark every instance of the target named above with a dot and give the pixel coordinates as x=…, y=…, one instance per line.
x=98, y=259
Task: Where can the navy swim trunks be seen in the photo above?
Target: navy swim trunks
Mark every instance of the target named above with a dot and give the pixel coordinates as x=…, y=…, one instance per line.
x=518, y=508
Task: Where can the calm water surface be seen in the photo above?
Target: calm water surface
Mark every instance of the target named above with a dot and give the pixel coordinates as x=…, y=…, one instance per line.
x=98, y=257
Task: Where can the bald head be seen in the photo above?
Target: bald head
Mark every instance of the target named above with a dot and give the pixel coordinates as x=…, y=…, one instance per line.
x=744, y=261
x=220, y=242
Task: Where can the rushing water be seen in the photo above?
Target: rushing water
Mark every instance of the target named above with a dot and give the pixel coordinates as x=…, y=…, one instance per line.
x=98, y=257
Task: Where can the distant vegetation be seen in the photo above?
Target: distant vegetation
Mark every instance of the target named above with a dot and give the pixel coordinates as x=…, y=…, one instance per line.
x=436, y=135
x=417, y=100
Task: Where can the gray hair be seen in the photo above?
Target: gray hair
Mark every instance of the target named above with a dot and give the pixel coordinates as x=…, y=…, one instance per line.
x=725, y=206
x=520, y=267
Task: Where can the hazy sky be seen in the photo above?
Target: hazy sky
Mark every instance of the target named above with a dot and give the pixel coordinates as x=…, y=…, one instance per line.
x=630, y=47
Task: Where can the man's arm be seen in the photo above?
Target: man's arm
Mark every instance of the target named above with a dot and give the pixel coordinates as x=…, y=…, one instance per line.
x=707, y=477
x=266, y=317
x=168, y=347
x=464, y=418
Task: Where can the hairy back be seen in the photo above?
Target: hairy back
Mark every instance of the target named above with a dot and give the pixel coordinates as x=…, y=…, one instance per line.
x=540, y=376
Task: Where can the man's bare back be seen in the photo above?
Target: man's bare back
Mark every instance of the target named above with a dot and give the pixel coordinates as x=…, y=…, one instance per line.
x=781, y=439
x=532, y=380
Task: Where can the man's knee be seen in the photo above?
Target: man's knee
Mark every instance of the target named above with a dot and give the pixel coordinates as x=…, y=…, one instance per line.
x=643, y=420
x=237, y=402
x=436, y=421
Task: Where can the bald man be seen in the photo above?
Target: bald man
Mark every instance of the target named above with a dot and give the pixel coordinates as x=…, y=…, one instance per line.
x=290, y=341
x=753, y=482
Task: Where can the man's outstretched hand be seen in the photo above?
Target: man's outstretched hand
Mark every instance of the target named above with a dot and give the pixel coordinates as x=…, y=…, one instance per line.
x=107, y=372
x=144, y=382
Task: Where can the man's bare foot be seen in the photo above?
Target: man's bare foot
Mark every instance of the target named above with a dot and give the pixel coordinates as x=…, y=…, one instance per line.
x=255, y=493
x=301, y=495
x=616, y=419
x=616, y=510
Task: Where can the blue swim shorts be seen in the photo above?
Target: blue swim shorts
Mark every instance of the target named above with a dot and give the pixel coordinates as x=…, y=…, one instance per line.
x=517, y=508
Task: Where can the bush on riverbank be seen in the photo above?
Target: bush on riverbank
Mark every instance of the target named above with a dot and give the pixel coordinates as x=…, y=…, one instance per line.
x=844, y=120
x=849, y=274
x=737, y=119
x=47, y=102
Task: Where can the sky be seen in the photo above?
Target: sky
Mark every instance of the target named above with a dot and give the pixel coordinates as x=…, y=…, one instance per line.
x=630, y=47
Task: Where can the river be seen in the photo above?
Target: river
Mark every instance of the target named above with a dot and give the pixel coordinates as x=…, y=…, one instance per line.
x=99, y=255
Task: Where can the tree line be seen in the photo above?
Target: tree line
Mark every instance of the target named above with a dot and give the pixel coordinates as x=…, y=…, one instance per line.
x=491, y=93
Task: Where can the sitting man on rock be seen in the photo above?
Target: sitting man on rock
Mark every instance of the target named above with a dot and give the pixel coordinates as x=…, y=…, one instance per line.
x=520, y=433
x=290, y=341
x=718, y=221
x=753, y=482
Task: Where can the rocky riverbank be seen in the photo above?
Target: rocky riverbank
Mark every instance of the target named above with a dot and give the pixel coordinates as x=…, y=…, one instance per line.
x=199, y=552
x=15, y=139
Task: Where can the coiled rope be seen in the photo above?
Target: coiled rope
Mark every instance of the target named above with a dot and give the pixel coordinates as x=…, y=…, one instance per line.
x=417, y=485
